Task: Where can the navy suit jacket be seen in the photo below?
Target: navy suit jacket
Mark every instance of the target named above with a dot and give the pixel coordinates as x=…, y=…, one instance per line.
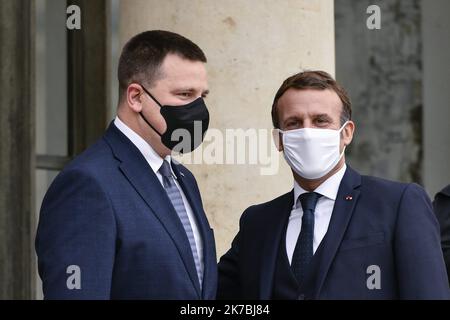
x=441, y=206
x=374, y=222
x=108, y=214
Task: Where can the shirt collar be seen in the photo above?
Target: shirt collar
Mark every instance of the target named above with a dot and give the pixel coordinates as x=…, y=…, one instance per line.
x=153, y=159
x=329, y=188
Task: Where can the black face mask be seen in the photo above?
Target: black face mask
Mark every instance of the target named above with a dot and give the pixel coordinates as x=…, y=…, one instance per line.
x=187, y=117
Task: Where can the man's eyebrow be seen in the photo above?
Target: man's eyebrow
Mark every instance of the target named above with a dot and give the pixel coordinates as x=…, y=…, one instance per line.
x=188, y=89
x=292, y=118
x=322, y=115
x=184, y=89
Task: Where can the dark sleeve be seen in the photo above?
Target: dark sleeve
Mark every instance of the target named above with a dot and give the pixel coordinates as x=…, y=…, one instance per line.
x=442, y=210
x=76, y=237
x=420, y=265
x=229, y=285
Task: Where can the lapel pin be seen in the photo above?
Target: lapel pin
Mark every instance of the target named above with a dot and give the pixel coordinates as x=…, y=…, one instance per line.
x=348, y=198
x=181, y=174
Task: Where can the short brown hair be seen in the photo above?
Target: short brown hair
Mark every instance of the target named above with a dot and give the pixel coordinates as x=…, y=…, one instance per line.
x=143, y=55
x=319, y=80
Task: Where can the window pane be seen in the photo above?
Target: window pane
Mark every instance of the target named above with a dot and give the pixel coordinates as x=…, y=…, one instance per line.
x=43, y=180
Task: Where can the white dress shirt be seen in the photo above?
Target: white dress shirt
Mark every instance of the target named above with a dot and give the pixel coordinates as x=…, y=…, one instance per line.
x=155, y=162
x=322, y=214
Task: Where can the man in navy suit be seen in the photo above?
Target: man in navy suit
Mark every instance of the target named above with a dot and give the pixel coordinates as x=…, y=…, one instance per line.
x=124, y=220
x=337, y=234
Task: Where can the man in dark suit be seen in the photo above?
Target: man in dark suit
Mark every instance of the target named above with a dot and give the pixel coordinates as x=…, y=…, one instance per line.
x=337, y=234
x=124, y=220
x=441, y=206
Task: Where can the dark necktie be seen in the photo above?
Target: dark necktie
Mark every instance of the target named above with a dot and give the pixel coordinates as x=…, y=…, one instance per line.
x=303, y=251
x=177, y=202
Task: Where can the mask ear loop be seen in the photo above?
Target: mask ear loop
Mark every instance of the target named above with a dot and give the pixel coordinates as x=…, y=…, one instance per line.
x=340, y=130
x=142, y=115
x=276, y=138
x=150, y=95
x=150, y=125
x=343, y=126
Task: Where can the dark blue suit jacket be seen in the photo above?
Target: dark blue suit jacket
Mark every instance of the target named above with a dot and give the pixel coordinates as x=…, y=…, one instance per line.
x=441, y=206
x=107, y=213
x=383, y=223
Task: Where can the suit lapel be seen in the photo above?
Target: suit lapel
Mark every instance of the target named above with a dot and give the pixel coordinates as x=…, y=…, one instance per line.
x=344, y=206
x=193, y=196
x=278, y=219
x=445, y=191
x=134, y=166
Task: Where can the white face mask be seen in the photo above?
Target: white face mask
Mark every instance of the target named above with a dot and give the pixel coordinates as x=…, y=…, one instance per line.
x=311, y=152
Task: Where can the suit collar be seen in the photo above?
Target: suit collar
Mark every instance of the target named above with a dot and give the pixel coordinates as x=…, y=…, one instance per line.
x=329, y=188
x=136, y=169
x=153, y=159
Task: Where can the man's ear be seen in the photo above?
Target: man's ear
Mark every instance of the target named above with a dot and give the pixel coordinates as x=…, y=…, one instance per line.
x=277, y=139
x=133, y=97
x=347, y=132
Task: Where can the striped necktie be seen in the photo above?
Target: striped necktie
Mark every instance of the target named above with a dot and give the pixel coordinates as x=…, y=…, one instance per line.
x=177, y=201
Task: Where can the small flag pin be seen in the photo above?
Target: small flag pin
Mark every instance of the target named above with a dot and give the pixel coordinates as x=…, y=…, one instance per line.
x=348, y=198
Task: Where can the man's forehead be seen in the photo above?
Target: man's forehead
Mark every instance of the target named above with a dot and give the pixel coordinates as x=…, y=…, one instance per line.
x=185, y=73
x=310, y=95
x=310, y=101
x=174, y=65
x=184, y=84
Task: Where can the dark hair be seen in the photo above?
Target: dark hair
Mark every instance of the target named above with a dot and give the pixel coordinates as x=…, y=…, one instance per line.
x=318, y=80
x=143, y=55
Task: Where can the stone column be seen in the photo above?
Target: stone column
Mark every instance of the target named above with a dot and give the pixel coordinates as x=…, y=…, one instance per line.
x=436, y=94
x=17, y=222
x=252, y=46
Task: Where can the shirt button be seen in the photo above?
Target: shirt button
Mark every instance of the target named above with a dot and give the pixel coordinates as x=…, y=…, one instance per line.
x=301, y=297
